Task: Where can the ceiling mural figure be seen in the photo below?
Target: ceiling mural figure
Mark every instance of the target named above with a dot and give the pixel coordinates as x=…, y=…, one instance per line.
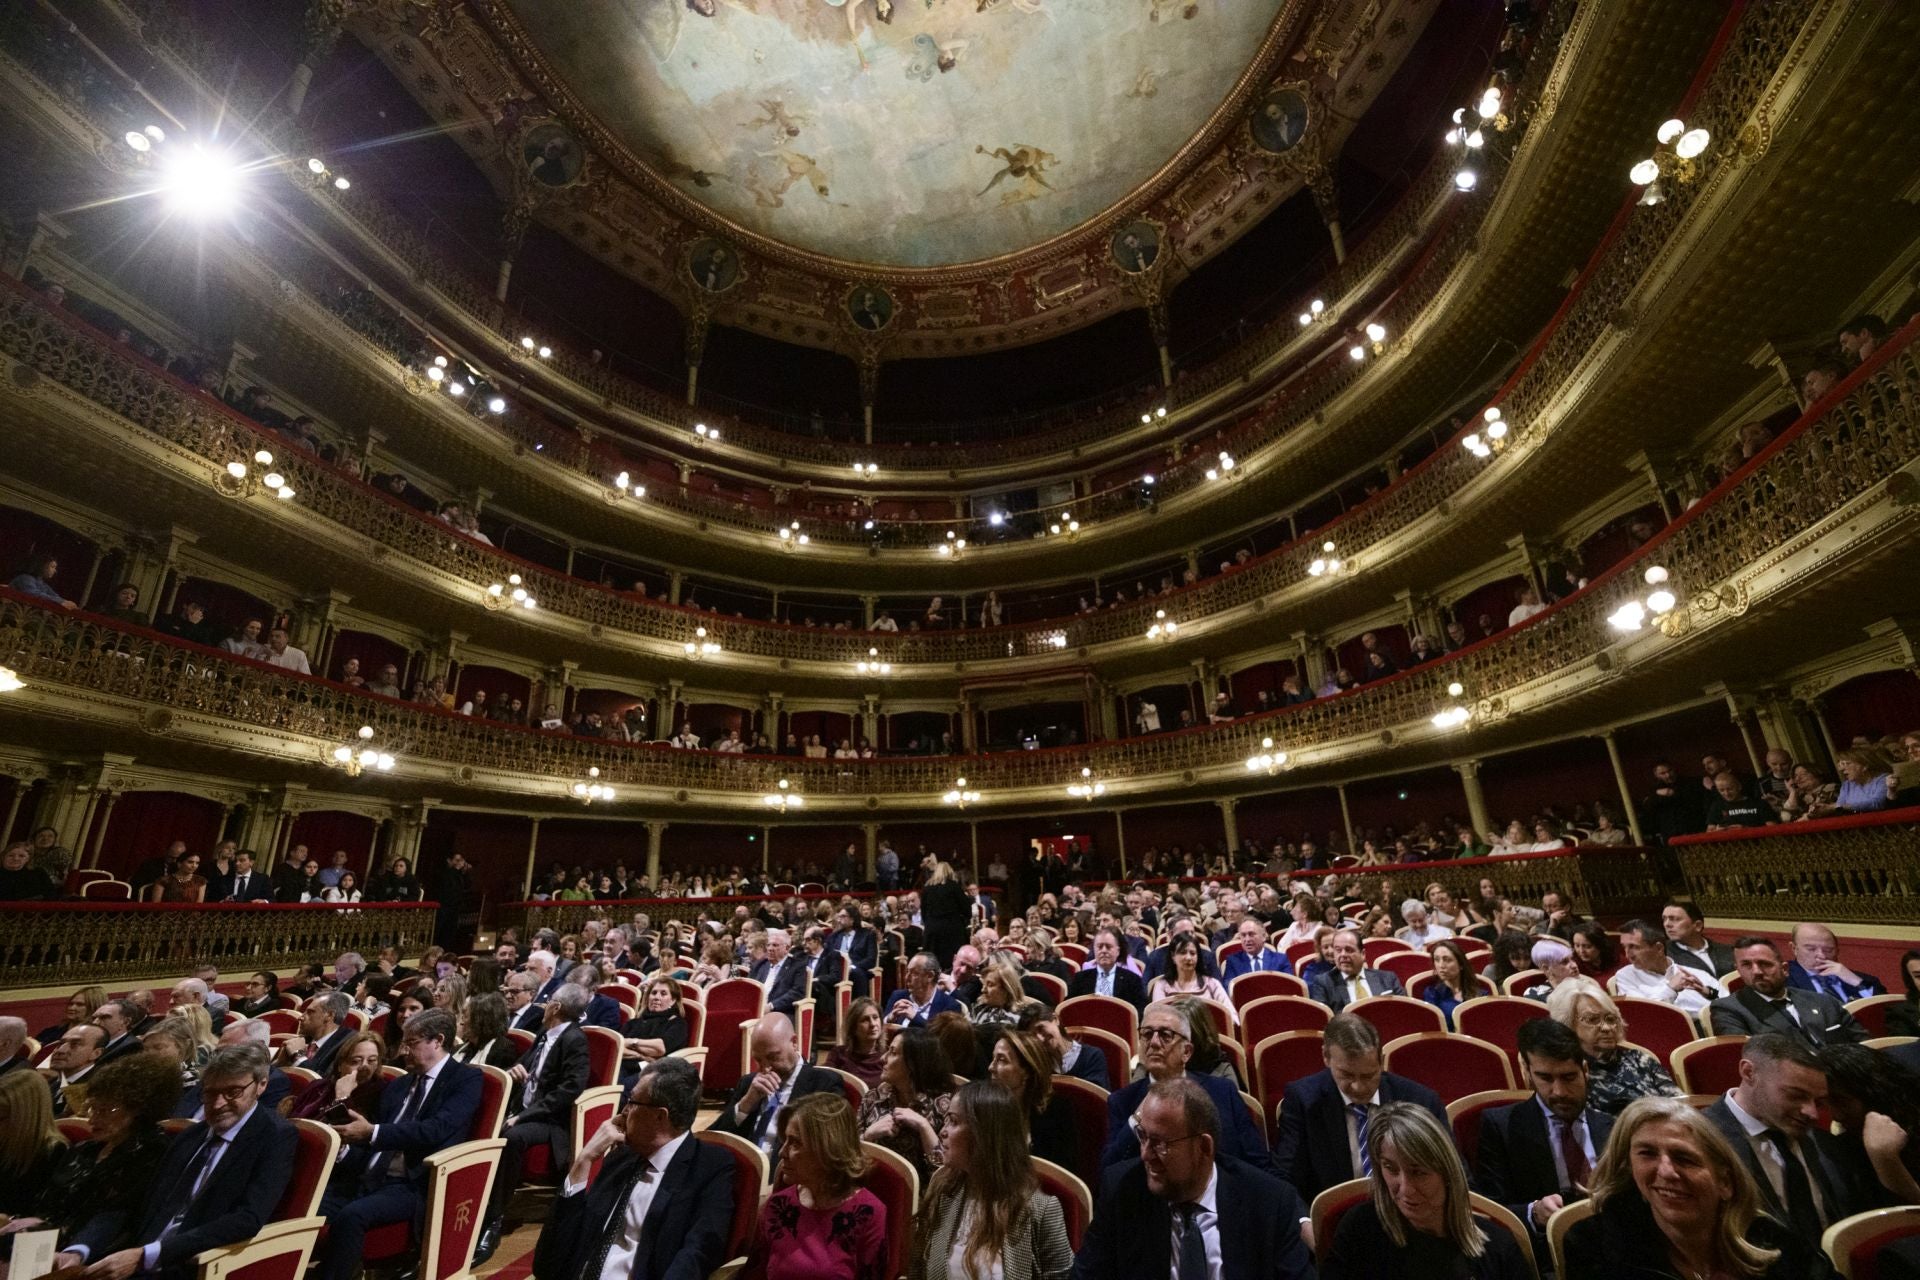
x=930, y=145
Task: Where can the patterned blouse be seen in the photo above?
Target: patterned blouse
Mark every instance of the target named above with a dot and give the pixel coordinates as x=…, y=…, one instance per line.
x=1630, y=1074
x=881, y=1101
x=846, y=1242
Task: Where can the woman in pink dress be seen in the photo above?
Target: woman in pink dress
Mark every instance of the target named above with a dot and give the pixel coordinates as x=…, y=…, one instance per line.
x=820, y=1225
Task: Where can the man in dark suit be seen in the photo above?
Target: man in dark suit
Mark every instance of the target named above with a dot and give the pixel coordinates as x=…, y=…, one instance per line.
x=551, y=1075
x=1816, y=967
x=383, y=1177
x=677, y=1189
x=323, y=1030
x=1253, y=955
x=1226, y=1208
x=547, y=974
x=1076, y=1059
x=522, y=1013
x=1688, y=943
x=75, y=1057
x=1767, y=1003
x=1350, y=979
x=1323, y=1117
x=1771, y=1119
x=118, y=1018
x=922, y=999
x=247, y=884
x=779, y=1076
x=1537, y=1156
x=1157, y=959
x=1106, y=975
x=218, y=1183
x=1166, y=1046
x=781, y=973
x=857, y=943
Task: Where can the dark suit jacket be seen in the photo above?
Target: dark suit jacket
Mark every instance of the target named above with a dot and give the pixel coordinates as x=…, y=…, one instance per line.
x=1515, y=1162
x=1907, y=1055
x=1846, y=1188
x=1330, y=988
x=942, y=1002
x=1239, y=962
x=810, y=1079
x=1867, y=986
x=444, y=1119
x=1239, y=1136
x=279, y=1085
x=1132, y=1230
x=238, y=1199
x=792, y=986
x=1090, y=1065
x=1127, y=985
x=1718, y=952
x=126, y=1044
x=685, y=1233
x=531, y=1018
x=562, y=1078
x=1312, y=1151
x=259, y=888
x=321, y=1063
x=861, y=950
x=1823, y=1020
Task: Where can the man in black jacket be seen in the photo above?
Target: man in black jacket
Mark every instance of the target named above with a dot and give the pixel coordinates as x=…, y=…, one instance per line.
x=857, y=943
x=1767, y=1003
x=1108, y=974
x=323, y=1030
x=779, y=1076
x=1537, y=1156
x=662, y=1205
x=781, y=973
x=218, y=1184
x=550, y=1076
x=1229, y=1210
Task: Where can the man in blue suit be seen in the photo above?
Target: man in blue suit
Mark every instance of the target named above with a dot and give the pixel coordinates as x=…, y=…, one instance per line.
x=857, y=942
x=218, y=1183
x=1166, y=1045
x=1254, y=955
x=1323, y=1118
x=383, y=1177
x=1816, y=967
x=922, y=1000
x=1227, y=1209
x=782, y=973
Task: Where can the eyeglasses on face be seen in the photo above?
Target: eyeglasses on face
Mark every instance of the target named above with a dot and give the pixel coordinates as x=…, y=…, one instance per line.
x=229, y=1093
x=1158, y=1035
x=1158, y=1147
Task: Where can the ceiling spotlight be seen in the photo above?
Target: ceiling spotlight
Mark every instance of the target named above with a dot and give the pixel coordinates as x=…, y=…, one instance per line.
x=1357, y=351
x=238, y=470
x=497, y=405
x=1667, y=132
x=1145, y=418
x=994, y=518
x=620, y=481
x=440, y=361
x=1453, y=136
x=155, y=132
x=341, y=183
x=199, y=182
x=1306, y=318
x=1490, y=103
x=263, y=457
x=1161, y=412
x=527, y=343
x=1455, y=689
x=435, y=373
x=141, y=142
x=1147, y=479
x=1476, y=140
x=457, y=388
x=1377, y=331
x=1644, y=172
x=1655, y=575
x=1466, y=180
x=316, y=165
x=1317, y=306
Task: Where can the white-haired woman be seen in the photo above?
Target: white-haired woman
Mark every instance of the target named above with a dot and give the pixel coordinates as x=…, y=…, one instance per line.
x=1617, y=1073
x=1419, y=1223
x=1555, y=961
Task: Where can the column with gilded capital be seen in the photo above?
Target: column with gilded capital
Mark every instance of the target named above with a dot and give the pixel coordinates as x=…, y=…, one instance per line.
x=654, y=831
x=1621, y=780
x=1469, y=771
x=1229, y=822
x=533, y=851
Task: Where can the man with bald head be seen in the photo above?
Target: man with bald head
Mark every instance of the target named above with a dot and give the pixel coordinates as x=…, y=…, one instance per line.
x=778, y=1077
x=74, y=1057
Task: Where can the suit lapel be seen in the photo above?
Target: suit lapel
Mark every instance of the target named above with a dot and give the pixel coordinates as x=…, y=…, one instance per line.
x=1535, y=1150
x=670, y=1180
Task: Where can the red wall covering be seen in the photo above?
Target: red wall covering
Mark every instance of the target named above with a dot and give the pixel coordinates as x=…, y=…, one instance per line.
x=144, y=823
x=495, y=843
x=325, y=830
x=1879, y=703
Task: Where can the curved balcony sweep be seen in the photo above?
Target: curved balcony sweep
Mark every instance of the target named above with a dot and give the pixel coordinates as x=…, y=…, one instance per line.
x=1809, y=524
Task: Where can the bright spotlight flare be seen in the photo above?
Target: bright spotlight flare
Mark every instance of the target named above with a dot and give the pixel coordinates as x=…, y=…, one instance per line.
x=198, y=181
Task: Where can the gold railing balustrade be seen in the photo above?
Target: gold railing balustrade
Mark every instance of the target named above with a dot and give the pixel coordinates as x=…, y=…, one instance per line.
x=1862, y=870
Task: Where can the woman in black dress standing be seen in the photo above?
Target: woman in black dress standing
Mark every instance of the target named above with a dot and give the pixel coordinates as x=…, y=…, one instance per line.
x=945, y=911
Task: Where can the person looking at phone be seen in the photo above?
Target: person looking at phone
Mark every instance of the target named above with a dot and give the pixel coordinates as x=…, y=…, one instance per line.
x=352, y=1085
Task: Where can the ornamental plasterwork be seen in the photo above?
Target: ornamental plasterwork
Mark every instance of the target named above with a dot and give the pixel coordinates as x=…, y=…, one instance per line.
x=473, y=67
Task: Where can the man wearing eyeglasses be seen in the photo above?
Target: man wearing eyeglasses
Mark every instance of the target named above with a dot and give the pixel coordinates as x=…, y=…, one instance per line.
x=384, y=1178
x=1187, y=1211
x=662, y=1205
x=218, y=1184
x=1166, y=1046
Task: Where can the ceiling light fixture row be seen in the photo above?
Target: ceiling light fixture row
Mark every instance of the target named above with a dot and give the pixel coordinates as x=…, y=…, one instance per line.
x=199, y=180
x=960, y=797
x=866, y=470
x=1373, y=341
x=1147, y=418
x=1326, y=562
x=1659, y=602
x=534, y=348
x=953, y=546
x=1469, y=133
x=705, y=432
x=442, y=373
x=358, y=757
x=242, y=478
x=315, y=166
x=871, y=664
x=1223, y=465
x=783, y=797
x=625, y=483
x=1452, y=717
x=701, y=646
x=1494, y=438
x=511, y=594
x=1065, y=527
x=791, y=537
x=1316, y=310
x=1673, y=159
x=591, y=788
x=1163, y=628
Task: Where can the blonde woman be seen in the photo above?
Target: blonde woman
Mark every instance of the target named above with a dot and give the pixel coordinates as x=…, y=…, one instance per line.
x=945, y=911
x=200, y=1027
x=1671, y=1198
x=30, y=1142
x=821, y=1224
x=984, y=1217
x=1000, y=993
x=1419, y=1223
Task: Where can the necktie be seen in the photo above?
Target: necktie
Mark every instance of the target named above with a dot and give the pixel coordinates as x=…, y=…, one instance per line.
x=240, y=887
x=1358, y=987
x=1802, y=1214
x=1193, y=1244
x=1105, y=985
x=1574, y=1155
x=189, y=1182
x=377, y=1167
x=1360, y=1138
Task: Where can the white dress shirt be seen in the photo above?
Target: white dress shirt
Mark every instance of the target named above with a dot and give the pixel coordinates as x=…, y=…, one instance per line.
x=1771, y=1159
x=1637, y=982
x=1208, y=1219
x=620, y=1258
x=223, y=1142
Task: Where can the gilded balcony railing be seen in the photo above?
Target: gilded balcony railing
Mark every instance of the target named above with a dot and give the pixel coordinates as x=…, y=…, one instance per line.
x=77, y=943
x=1863, y=869
x=1864, y=431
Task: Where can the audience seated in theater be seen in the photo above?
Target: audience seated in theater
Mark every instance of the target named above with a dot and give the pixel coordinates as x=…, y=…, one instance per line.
x=1223, y=1207
x=13, y=1045
x=182, y=882
x=20, y=881
x=383, y=1177
x=780, y=1077
x=1000, y=992
x=217, y=1185
x=1671, y=1197
x=36, y=580
x=1651, y=974
x=1673, y=807
x=1183, y=974
x=1816, y=966
x=1454, y=981
x=322, y=1032
x=1536, y=1156
x=1875, y=1101
x=1350, y=978
x=1554, y=959
x=352, y=1083
x=1166, y=1051
x=70, y=1068
x=1767, y=1003
x=1253, y=954
x=820, y=1224
x=30, y=1143
x=482, y=1032
x=662, y=1205
x=100, y=1185
x=922, y=999
x=984, y=1213
x=548, y=1078
x=1419, y=1223
x=658, y=1029
x=860, y=1048
x=907, y=1111
x=782, y=973
x=1617, y=1073
x=1903, y=1019
x=1687, y=941
x=190, y=623
x=1023, y=1063
x=1075, y=1059
x=1421, y=931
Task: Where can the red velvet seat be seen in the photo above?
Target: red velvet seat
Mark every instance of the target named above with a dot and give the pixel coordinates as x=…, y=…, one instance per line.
x=603, y=1055
x=316, y=1146
x=1248, y=987
x=107, y=891
x=278, y=1251
x=1076, y=1201
x=1453, y=1066
x=749, y=1187
x=1497, y=1020
x=496, y=1087
x=1708, y=1066
x=897, y=1186
x=1857, y=1244
x=1406, y=965
x=1280, y=1060
x=1118, y=1053
x=1270, y=1015
x=280, y=1021
x=1658, y=1028
x=1087, y=1103
x=1396, y=1016
x=1464, y=1116
x=729, y=1003
x=1113, y=1016
x=1378, y=949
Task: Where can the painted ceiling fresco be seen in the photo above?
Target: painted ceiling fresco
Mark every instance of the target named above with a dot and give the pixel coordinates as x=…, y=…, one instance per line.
x=908, y=133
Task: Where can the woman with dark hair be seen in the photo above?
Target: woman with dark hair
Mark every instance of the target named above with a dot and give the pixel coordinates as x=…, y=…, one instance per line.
x=953, y=1031
x=1903, y=1019
x=1876, y=1101
x=396, y=884
x=907, y=1111
x=1322, y=961
x=1023, y=1063
x=1512, y=953
x=481, y=1026
x=861, y=1051
x=263, y=995
x=353, y=1083
x=1183, y=976
x=403, y=1008
x=182, y=883
x=821, y=1224
x=1593, y=951
x=1671, y=1198
x=483, y=976
x=104, y=1181
x=1454, y=981
x=984, y=1216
